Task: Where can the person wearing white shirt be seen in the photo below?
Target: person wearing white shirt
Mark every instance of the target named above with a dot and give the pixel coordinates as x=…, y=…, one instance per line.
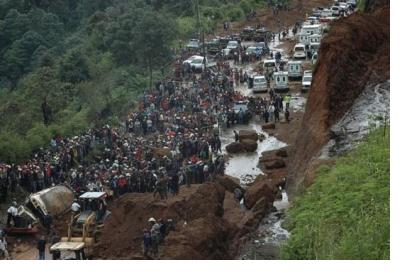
x=12, y=214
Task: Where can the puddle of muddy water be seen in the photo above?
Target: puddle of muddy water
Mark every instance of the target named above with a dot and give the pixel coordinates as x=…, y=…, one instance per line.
x=244, y=166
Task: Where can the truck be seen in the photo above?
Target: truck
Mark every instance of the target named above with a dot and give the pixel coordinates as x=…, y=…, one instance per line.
x=53, y=201
x=247, y=34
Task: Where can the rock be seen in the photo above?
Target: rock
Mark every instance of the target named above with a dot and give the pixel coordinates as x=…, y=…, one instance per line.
x=274, y=164
x=250, y=145
x=228, y=182
x=235, y=148
x=264, y=188
x=248, y=134
x=270, y=125
x=282, y=152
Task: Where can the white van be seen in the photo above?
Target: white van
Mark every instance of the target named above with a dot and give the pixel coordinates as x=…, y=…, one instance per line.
x=294, y=69
x=269, y=66
x=299, y=51
x=281, y=81
x=315, y=38
x=311, y=29
x=304, y=38
x=259, y=84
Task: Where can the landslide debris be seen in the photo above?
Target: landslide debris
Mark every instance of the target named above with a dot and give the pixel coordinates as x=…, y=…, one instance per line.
x=356, y=52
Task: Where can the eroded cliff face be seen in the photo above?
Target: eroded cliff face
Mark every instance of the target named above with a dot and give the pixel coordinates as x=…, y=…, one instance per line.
x=354, y=54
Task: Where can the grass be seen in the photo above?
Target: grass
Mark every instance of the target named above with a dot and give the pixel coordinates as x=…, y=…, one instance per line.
x=345, y=213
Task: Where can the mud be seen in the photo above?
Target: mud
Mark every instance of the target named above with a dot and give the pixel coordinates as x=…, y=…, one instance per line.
x=354, y=54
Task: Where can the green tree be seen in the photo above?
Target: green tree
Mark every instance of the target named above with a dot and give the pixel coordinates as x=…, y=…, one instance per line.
x=74, y=68
x=152, y=38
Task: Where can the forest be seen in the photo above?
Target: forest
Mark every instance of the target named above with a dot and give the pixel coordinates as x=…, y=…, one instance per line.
x=68, y=65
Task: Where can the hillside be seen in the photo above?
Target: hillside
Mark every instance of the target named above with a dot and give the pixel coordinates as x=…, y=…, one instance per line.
x=345, y=213
x=68, y=65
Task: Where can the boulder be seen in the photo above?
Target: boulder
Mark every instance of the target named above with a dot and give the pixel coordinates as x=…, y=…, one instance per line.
x=228, y=182
x=274, y=164
x=250, y=145
x=282, y=152
x=270, y=125
x=264, y=188
x=235, y=147
x=248, y=134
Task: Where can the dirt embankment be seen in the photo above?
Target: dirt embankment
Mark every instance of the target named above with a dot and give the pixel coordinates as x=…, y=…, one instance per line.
x=209, y=221
x=355, y=53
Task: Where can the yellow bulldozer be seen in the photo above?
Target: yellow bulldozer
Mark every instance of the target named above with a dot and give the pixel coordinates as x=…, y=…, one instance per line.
x=86, y=225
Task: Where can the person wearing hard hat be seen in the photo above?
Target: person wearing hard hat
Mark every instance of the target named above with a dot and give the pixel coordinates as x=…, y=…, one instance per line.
x=155, y=227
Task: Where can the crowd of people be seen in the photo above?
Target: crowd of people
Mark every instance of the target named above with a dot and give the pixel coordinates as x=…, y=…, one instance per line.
x=171, y=139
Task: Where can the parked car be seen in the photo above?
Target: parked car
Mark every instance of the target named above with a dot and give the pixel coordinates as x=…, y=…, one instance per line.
x=232, y=45
x=264, y=46
x=306, y=80
x=314, y=58
x=198, y=63
x=254, y=50
x=193, y=44
x=335, y=11
x=260, y=84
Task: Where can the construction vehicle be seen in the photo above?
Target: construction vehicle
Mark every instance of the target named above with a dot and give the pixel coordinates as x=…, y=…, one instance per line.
x=70, y=250
x=87, y=225
x=54, y=201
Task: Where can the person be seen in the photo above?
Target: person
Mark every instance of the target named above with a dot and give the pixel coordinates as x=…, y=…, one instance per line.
x=147, y=242
x=12, y=214
x=3, y=247
x=41, y=246
x=276, y=115
x=154, y=236
x=55, y=239
x=266, y=116
x=75, y=207
x=48, y=220
x=282, y=184
x=236, y=135
x=287, y=101
x=287, y=115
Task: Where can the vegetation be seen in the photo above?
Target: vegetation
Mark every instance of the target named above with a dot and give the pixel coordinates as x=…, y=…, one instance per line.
x=68, y=65
x=345, y=213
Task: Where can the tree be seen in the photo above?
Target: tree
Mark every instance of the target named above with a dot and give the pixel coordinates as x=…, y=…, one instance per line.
x=151, y=39
x=17, y=60
x=74, y=68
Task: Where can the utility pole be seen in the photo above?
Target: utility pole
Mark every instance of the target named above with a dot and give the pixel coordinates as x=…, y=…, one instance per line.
x=201, y=32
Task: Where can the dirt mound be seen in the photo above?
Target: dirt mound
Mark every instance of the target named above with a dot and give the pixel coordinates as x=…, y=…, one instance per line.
x=248, y=134
x=265, y=188
x=354, y=53
x=228, y=182
x=121, y=237
x=203, y=238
